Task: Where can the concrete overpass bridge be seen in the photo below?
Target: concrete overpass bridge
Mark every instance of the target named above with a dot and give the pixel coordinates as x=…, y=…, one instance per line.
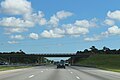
x=54, y=54
x=40, y=56
x=45, y=55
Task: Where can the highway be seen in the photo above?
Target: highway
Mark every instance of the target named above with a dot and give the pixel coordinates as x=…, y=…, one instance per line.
x=52, y=73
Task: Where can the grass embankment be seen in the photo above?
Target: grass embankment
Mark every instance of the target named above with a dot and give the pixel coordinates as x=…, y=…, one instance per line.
x=103, y=61
x=3, y=68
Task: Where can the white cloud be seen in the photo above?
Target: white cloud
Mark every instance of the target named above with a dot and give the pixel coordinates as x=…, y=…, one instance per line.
x=71, y=29
x=79, y=27
x=20, y=37
x=76, y=30
x=66, y=29
x=82, y=23
x=36, y=18
x=109, y=22
x=18, y=25
x=34, y=36
x=54, y=20
x=20, y=7
x=114, y=14
x=15, y=25
x=56, y=33
x=13, y=42
x=63, y=14
x=42, y=21
x=115, y=30
x=15, y=22
x=16, y=7
x=95, y=38
x=86, y=23
x=15, y=30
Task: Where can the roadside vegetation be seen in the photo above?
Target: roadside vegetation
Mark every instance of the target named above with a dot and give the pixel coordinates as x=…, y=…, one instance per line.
x=20, y=57
x=3, y=68
x=104, y=59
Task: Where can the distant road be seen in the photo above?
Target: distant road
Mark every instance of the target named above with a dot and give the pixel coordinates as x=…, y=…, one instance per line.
x=51, y=73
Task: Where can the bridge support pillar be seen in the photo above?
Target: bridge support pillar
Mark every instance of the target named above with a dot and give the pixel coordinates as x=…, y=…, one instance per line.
x=72, y=61
x=9, y=60
x=39, y=60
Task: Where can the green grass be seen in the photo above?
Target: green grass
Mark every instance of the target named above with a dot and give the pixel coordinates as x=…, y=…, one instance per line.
x=103, y=61
x=3, y=68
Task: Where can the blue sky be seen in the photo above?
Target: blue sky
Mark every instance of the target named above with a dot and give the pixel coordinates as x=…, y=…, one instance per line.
x=58, y=26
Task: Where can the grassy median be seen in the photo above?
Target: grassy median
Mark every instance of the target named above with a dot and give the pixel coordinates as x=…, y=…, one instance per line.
x=103, y=61
x=3, y=68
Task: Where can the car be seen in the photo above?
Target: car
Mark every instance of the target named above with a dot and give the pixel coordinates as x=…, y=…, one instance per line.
x=61, y=64
x=67, y=64
x=3, y=63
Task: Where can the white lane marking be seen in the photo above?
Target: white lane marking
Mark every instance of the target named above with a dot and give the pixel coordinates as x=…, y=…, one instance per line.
x=77, y=77
x=71, y=72
x=31, y=76
x=68, y=70
x=41, y=71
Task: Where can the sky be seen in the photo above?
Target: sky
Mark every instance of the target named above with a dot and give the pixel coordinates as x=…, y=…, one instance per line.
x=58, y=26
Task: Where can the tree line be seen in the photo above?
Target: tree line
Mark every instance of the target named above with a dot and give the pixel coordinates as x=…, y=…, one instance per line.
x=17, y=58
x=104, y=50
x=18, y=52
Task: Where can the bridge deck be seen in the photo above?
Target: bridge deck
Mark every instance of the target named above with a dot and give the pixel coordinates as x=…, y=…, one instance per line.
x=44, y=55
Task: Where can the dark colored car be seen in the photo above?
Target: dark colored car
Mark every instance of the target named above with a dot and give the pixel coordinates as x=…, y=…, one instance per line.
x=61, y=64
x=3, y=63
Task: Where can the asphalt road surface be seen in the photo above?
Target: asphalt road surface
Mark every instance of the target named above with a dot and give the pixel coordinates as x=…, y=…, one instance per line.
x=52, y=73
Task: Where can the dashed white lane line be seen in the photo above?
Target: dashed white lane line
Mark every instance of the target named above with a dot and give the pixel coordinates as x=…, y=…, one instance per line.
x=31, y=76
x=77, y=77
x=41, y=71
x=71, y=72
